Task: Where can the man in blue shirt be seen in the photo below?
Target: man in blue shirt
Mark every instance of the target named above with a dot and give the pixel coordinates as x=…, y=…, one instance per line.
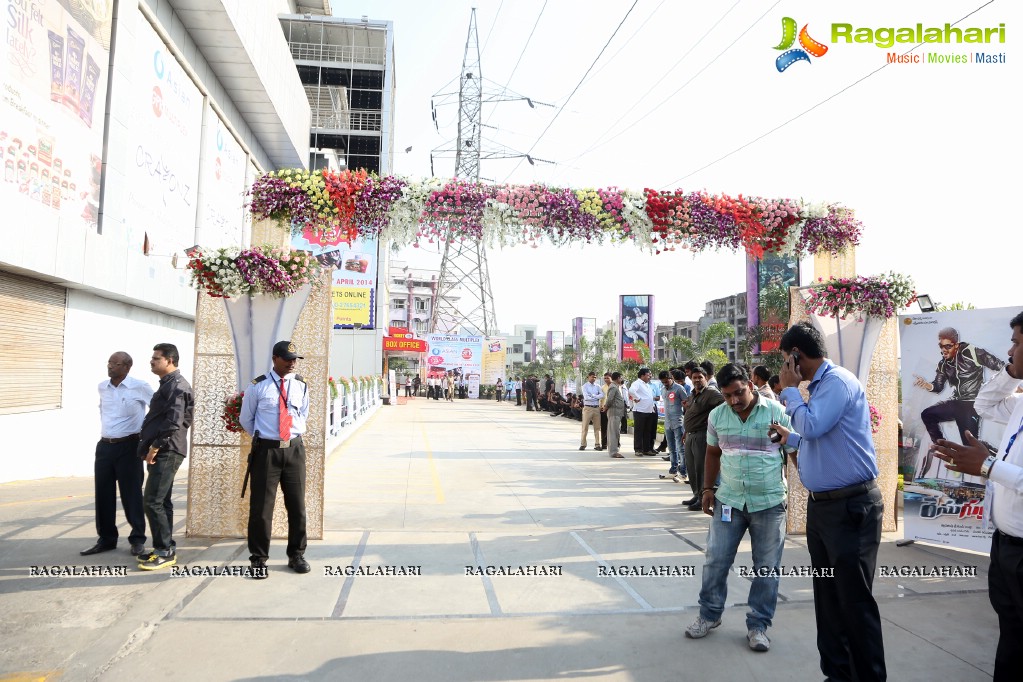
x=274, y=412
x=837, y=464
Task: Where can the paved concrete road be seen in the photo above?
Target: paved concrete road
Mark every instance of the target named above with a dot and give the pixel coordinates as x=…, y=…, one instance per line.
x=438, y=491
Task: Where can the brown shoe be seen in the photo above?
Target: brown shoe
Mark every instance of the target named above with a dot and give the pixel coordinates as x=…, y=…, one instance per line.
x=618, y=455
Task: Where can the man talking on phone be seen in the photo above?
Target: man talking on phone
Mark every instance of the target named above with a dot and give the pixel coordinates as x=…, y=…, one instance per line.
x=838, y=465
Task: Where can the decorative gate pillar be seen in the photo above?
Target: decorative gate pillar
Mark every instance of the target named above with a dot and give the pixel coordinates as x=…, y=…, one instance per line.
x=882, y=392
x=217, y=459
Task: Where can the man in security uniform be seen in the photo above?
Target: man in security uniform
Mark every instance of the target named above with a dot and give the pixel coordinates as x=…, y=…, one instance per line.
x=274, y=412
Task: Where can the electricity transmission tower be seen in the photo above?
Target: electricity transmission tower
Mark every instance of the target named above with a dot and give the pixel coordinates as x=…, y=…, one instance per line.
x=464, y=264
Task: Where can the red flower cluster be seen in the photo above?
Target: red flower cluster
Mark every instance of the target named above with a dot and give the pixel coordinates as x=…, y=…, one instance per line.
x=232, y=413
x=205, y=279
x=344, y=188
x=669, y=213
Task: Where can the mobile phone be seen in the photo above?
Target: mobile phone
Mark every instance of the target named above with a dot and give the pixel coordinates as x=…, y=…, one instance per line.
x=773, y=435
x=795, y=357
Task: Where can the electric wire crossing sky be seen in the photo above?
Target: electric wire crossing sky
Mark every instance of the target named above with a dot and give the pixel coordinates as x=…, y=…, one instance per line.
x=788, y=37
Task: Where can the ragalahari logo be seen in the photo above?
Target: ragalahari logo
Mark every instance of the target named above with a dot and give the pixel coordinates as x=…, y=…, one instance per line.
x=788, y=38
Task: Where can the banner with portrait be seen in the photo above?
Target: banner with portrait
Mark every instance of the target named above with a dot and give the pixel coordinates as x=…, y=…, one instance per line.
x=946, y=358
x=636, y=320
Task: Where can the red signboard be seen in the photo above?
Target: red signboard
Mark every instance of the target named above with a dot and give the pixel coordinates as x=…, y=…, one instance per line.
x=394, y=343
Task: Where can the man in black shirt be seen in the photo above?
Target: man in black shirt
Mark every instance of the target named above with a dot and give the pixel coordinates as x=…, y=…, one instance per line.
x=163, y=443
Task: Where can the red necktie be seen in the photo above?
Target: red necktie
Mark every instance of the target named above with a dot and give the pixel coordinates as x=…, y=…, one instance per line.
x=284, y=419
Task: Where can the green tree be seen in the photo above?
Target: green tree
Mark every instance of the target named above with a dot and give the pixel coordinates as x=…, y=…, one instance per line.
x=707, y=348
x=958, y=305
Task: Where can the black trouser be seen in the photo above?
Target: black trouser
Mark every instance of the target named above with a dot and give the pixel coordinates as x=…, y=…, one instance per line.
x=518, y=396
x=408, y=391
x=603, y=428
x=646, y=431
x=844, y=535
x=959, y=411
x=118, y=466
x=1005, y=590
x=270, y=467
x=696, y=453
x=157, y=499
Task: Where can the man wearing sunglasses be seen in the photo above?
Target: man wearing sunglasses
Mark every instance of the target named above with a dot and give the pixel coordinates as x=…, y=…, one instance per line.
x=961, y=367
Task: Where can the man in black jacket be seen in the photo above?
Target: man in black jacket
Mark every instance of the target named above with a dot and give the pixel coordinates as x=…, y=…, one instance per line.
x=961, y=367
x=163, y=443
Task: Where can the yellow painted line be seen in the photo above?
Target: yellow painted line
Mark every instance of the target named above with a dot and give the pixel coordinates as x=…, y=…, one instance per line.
x=30, y=677
x=437, y=490
x=44, y=499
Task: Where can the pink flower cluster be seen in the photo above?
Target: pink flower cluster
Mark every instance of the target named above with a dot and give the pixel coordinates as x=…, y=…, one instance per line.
x=457, y=208
x=832, y=233
x=374, y=202
x=870, y=296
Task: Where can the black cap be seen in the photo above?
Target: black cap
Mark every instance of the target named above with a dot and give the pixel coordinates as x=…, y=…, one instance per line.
x=286, y=350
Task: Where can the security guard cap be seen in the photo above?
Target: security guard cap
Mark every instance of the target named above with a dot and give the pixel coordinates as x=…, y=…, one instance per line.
x=286, y=350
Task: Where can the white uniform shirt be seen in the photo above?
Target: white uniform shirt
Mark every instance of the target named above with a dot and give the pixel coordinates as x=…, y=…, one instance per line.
x=123, y=407
x=998, y=401
x=261, y=406
x=642, y=396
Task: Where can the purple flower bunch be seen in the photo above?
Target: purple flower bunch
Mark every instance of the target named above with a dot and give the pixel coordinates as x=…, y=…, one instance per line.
x=374, y=202
x=274, y=272
x=564, y=219
x=274, y=198
x=876, y=296
x=831, y=233
x=711, y=229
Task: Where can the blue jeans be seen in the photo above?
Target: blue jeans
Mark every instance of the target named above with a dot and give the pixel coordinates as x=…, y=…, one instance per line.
x=675, y=449
x=767, y=533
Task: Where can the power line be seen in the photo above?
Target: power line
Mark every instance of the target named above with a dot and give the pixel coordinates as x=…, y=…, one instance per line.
x=491, y=31
x=667, y=99
x=576, y=89
x=800, y=115
x=523, y=52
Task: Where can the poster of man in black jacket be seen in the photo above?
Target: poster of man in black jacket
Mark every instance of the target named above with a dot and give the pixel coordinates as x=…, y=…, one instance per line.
x=961, y=367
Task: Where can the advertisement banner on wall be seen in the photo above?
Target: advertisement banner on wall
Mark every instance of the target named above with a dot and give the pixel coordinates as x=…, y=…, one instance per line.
x=636, y=315
x=495, y=352
x=946, y=358
x=461, y=355
x=354, y=282
x=222, y=186
x=163, y=153
x=54, y=71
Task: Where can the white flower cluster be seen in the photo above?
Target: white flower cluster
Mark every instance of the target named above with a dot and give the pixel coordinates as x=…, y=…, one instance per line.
x=634, y=212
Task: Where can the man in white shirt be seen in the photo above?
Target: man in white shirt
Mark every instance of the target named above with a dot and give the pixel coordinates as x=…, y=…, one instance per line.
x=122, y=407
x=999, y=401
x=760, y=376
x=592, y=396
x=644, y=414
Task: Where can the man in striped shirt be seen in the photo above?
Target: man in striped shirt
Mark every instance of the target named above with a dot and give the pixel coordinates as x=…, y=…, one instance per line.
x=750, y=496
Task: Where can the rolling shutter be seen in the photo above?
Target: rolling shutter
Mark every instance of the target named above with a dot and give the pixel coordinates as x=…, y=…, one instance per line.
x=31, y=344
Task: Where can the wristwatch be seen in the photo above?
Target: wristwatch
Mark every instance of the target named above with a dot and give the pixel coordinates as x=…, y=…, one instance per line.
x=985, y=468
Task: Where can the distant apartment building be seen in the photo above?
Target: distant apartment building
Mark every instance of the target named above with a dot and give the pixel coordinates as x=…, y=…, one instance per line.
x=520, y=348
x=730, y=309
x=663, y=333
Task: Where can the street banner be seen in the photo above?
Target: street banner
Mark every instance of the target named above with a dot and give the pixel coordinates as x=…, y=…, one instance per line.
x=636, y=320
x=54, y=67
x=946, y=358
x=556, y=343
x=462, y=355
x=495, y=353
x=584, y=328
x=354, y=279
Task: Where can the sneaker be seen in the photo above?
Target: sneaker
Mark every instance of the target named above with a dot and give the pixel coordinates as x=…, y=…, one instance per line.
x=701, y=627
x=155, y=562
x=758, y=640
x=676, y=478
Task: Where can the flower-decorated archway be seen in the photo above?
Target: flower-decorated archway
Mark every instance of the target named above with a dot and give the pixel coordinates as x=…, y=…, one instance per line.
x=410, y=212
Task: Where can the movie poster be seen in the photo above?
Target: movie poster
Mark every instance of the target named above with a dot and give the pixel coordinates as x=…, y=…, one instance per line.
x=775, y=274
x=353, y=284
x=946, y=358
x=635, y=313
x=495, y=352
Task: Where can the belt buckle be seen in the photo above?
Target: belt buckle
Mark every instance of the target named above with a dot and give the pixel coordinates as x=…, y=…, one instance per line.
x=285, y=443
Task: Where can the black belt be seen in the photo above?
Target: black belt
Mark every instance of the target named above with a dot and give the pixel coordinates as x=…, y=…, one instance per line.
x=1011, y=539
x=591, y=405
x=848, y=491
x=134, y=436
x=277, y=443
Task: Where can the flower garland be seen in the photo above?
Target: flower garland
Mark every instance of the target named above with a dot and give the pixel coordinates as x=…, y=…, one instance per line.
x=333, y=388
x=406, y=211
x=877, y=296
x=232, y=272
x=232, y=412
